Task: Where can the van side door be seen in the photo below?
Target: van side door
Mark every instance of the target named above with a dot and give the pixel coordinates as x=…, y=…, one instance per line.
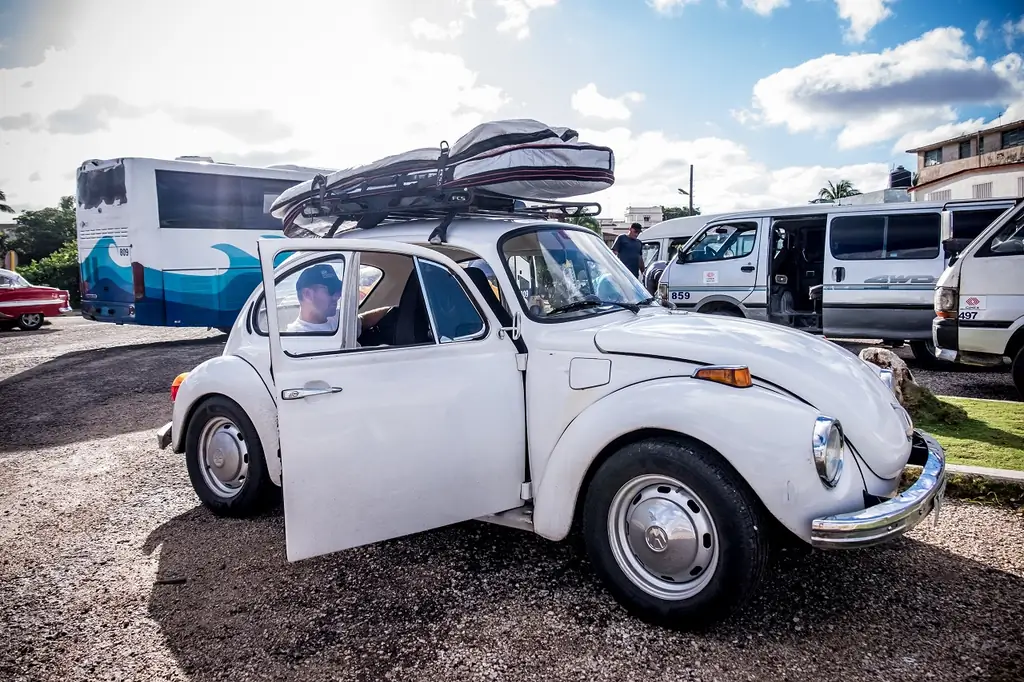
x=880, y=271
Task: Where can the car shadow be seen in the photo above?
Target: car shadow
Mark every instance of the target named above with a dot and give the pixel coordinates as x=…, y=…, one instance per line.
x=71, y=397
x=226, y=599
x=42, y=331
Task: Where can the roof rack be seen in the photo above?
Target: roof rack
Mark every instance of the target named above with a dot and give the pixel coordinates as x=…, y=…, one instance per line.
x=410, y=199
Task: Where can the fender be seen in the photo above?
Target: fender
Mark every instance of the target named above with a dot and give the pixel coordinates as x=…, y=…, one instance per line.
x=764, y=435
x=236, y=379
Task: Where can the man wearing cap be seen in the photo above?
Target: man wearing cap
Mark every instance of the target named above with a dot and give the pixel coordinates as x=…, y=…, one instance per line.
x=630, y=250
x=318, y=289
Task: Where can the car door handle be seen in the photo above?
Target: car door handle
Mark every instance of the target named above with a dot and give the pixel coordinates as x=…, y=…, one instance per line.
x=747, y=268
x=838, y=274
x=299, y=393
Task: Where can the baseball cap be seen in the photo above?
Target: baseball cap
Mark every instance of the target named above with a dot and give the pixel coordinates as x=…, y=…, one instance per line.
x=321, y=273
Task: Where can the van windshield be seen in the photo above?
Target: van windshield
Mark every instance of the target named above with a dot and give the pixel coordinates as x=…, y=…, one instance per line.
x=1010, y=239
x=564, y=274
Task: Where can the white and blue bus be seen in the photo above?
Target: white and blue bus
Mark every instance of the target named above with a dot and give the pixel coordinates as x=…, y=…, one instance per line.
x=173, y=243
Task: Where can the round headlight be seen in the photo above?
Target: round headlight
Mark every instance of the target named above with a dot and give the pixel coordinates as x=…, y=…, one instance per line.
x=828, y=448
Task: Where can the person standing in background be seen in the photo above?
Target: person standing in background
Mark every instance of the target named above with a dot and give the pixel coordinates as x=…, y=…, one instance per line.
x=629, y=249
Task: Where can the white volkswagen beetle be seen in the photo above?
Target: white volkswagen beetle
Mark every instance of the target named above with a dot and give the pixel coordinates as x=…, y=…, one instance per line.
x=517, y=373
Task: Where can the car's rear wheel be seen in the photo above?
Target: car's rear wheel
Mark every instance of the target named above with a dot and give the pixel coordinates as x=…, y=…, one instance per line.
x=225, y=460
x=676, y=535
x=30, y=321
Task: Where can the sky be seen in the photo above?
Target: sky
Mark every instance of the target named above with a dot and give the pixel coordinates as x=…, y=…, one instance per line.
x=767, y=99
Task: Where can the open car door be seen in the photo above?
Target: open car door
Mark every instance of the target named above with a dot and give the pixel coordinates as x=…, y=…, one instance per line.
x=382, y=441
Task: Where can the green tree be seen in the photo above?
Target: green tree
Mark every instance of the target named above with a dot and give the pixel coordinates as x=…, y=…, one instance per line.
x=669, y=212
x=59, y=269
x=4, y=208
x=43, y=232
x=844, y=188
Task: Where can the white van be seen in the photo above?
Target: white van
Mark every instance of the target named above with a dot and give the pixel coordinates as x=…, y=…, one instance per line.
x=979, y=300
x=860, y=272
x=663, y=240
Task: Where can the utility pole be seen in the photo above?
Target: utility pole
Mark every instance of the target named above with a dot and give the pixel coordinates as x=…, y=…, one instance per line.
x=691, y=189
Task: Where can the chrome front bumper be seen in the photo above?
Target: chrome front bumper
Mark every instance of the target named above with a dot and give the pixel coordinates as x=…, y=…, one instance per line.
x=894, y=517
x=163, y=436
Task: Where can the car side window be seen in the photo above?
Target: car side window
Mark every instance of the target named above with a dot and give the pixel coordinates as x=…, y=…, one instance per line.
x=723, y=242
x=6, y=282
x=455, y=316
x=307, y=300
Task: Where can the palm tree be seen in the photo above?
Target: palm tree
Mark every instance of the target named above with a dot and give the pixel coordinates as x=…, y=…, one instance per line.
x=587, y=221
x=843, y=188
x=4, y=208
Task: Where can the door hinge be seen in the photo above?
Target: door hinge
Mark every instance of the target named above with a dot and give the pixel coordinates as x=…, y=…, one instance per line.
x=521, y=361
x=526, y=491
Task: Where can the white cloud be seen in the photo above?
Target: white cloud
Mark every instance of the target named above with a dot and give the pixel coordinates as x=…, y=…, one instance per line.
x=589, y=102
x=873, y=97
x=1011, y=30
x=517, y=15
x=981, y=30
x=428, y=30
x=229, y=94
x=1010, y=67
x=668, y=6
x=652, y=165
x=863, y=16
x=765, y=7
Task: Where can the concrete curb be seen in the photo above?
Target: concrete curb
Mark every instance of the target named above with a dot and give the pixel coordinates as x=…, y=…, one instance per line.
x=1000, y=487
x=1003, y=475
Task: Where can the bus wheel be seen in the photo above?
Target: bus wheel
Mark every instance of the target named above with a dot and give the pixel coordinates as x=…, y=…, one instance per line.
x=30, y=321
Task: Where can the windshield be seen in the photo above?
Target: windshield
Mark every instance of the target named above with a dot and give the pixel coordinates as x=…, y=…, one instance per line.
x=650, y=253
x=1010, y=238
x=563, y=274
x=13, y=279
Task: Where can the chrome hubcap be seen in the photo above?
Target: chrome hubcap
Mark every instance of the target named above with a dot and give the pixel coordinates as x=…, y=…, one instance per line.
x=663, y=537
x=223, y=457
x=31, y=319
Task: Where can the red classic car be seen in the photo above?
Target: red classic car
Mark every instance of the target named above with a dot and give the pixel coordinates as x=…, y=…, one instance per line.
x=24, y=306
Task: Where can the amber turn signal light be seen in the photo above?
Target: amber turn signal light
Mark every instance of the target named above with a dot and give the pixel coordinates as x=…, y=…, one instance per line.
x=730, y=376
x=176, y=383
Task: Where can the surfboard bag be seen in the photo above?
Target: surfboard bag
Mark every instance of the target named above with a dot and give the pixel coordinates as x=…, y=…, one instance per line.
x=521, y=158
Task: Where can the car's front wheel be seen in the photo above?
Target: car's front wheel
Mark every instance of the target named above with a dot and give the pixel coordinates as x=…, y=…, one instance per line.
x=676, y=535
x=30, y=321
x=225, y=460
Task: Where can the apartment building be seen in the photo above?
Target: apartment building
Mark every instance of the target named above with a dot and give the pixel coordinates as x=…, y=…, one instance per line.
x=985, y=164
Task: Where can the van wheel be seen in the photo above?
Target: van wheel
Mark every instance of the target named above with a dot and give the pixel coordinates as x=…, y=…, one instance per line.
x=225, y=460
x=1018, y=372
x=677, y=537
x=722, y=309
x=924, y=353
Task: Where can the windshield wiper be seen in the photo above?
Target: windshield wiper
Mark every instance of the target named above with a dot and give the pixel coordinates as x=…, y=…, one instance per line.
x=589, y=303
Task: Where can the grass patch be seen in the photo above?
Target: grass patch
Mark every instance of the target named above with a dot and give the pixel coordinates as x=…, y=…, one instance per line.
x=991, y=434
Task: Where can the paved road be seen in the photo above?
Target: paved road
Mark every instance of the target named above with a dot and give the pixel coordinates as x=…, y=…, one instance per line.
x=110, y=570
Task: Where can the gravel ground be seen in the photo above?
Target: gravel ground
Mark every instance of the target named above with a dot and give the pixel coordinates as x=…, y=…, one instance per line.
x=110, y=570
